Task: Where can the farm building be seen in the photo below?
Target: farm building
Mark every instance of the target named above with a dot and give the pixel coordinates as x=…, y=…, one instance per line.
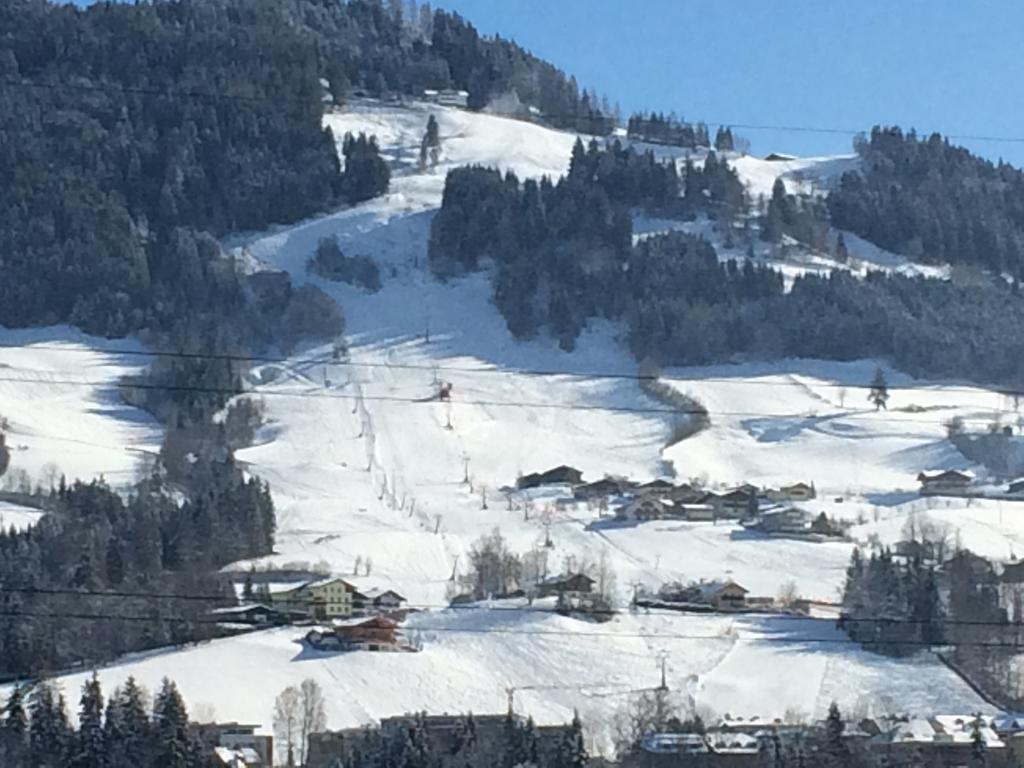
x=945, y=482
x=562, y=475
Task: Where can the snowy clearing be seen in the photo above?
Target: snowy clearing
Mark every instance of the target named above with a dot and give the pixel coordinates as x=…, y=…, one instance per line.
x=58, y=392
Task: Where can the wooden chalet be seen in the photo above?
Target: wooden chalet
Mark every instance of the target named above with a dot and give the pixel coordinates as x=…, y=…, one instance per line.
x=568, y=583
x=606, y=486
x=642, y=509
x=561, y=475
x=945, y=482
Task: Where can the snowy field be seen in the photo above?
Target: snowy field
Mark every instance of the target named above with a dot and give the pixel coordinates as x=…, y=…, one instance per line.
x=365, y=465
x=773, y=421
x=58, y=394
x=715, y=665
x=17, y=517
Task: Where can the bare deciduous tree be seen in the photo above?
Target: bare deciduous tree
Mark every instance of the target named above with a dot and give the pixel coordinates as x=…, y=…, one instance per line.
x=312, y=717
x=286, y=724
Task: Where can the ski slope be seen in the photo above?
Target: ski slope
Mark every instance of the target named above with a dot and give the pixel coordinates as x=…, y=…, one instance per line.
x=58, y=393
x=365, y=464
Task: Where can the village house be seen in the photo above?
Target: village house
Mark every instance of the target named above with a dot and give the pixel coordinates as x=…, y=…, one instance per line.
x=367, y=633
x=378, y=601
x=658, y=486
x=796, y=492
x=684, y=493
x=782, y=521
x=695, y=513
x=945, y=482
x=236, y=745
x=1016, y=487
x=736, y=504
x=447, y=97
x=562, y=475
x=567, y=583
x=721, y=595
x=603, y=488
x=320, y=600
x=255, y=614
x=642, y=509
x=941, y=740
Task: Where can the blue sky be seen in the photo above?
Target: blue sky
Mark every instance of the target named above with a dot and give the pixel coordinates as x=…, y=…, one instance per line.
x=936, y=65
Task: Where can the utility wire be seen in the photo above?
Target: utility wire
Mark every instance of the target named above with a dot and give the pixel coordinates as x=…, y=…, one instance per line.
x=667, y=613
x=209, y=96
x=84, y=616
x=325, y=395
x=535, y=372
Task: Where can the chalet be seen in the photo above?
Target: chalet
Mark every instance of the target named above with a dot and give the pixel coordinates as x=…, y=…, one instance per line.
x=686, y=494
x=324, y=599
x=941, y=740
x=736, y=504
x=606, y=486
x=945, y=482
x=796, y=492
x=256, y=614
x=788, y=520
x=379, y=600
x=695, y=513
x=562, y=475
x=658, y=486
x=568, y=583
x=447, y=97
x=370, y=633
x=234, y=744
x=721, y=595
x=1015, y=487
x=642, y=509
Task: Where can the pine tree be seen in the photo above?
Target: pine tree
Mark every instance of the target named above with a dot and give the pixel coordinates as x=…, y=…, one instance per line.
x=127, y=727
x=878, y=395
x=835, y=747
x=15, y=720
x=172, y=745
x=842, y=252
x=49, y=732
x=90, y=749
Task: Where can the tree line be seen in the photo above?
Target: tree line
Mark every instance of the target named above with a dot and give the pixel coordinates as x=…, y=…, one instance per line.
x=150, y=547
x=933, y=201
x=562, y=250
x=124, y=731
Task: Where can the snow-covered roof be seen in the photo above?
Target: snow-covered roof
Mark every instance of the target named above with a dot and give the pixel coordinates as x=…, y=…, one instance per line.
x=933, y=474
x=712, y=588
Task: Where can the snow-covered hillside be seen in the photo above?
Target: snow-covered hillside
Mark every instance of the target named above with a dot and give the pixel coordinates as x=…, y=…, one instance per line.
x=745, y=667
x=58, y=394
x=813, y=418
x=366, y=465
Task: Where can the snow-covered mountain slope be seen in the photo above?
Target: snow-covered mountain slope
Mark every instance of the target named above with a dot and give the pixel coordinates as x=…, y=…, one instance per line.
x=58, y=394
x=364, y=464
x=813, y=417
x=746, y=667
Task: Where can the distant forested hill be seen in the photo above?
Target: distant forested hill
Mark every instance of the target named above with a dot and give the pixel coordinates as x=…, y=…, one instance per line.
x=128, y=131
x=934, y=202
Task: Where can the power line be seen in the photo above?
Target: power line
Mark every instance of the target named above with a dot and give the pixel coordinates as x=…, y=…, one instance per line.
x=87, y=616
x=648, y=410
x=209, y=96
x=666, y=613
x=535, y=372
